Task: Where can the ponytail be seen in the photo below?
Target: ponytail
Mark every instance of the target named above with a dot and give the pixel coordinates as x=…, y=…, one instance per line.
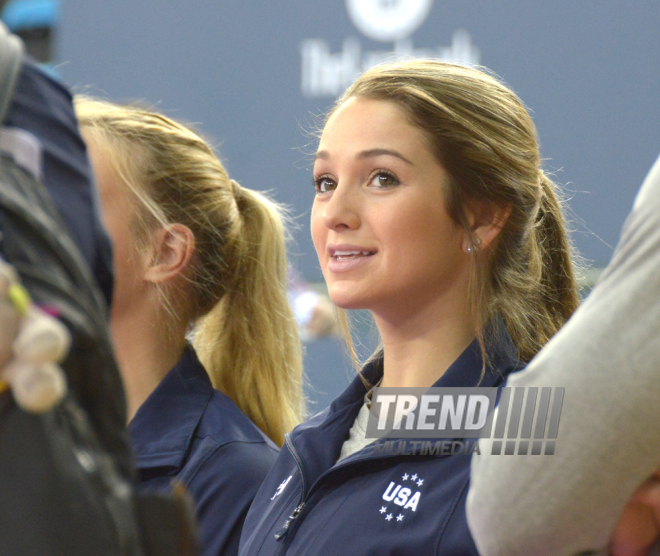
x=248, y=342
x=536, y=295
x=557, y=275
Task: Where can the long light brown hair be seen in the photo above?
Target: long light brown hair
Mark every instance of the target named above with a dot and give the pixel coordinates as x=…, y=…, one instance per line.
x=481, y=133
x=245, y=332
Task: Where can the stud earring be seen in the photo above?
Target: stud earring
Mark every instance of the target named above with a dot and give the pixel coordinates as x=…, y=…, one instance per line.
x=474, y=248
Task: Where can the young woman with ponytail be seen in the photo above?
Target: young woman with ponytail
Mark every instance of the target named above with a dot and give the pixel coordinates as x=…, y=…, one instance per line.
x=432, y=211
x=195, y=255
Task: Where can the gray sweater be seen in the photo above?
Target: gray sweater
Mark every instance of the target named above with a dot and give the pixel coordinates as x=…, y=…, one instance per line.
x=608, y=359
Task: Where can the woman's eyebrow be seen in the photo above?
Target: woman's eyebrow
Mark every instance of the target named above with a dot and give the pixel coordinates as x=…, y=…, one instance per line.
x=321, y=155
x=371, y=153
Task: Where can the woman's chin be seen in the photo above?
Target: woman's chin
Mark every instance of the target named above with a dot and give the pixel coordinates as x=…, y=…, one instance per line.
x=348, y=300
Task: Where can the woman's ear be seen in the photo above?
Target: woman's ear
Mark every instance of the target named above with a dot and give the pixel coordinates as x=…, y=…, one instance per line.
x=486, y=222
x=172, y=249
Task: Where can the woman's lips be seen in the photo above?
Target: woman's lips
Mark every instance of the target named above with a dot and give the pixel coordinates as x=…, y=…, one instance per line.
x=345, y=259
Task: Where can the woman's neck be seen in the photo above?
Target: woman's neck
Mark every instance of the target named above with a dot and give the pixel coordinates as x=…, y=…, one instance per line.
x=419, y=346
x=146, y=351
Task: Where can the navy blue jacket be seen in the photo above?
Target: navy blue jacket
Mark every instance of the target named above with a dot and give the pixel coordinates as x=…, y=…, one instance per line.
x=368, y=503
x=44, y=108
x=189, y=432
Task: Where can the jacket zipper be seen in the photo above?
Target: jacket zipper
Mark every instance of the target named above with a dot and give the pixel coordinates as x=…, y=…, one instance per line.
x=285, y=529
x=282, y=533
x=287, y=524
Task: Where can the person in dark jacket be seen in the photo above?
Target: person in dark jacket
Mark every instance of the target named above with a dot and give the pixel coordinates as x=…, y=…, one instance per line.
x=195, y=251
x=43, y=107
x=433, y=212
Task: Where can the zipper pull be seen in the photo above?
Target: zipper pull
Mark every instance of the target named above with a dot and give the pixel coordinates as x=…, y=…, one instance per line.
x=285, y=529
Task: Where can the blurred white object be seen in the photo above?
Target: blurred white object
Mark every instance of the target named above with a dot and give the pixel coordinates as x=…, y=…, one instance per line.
x=304, y=304
x=30, y=348
x=314, y=311
x=42, y=339
x=36, y=388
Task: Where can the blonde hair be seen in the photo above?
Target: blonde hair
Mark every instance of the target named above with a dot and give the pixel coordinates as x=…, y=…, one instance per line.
x=245, y=333
x=481, y=133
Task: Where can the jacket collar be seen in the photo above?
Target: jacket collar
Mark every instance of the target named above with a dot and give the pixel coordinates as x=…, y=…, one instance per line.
x=164, y=425
x=319, y=440
x=501, y=355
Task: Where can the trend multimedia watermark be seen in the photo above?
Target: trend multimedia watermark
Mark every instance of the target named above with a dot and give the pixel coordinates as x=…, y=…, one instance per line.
x=411, y=421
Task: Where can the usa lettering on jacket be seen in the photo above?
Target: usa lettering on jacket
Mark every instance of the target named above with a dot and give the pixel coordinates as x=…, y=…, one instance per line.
x=401, y=496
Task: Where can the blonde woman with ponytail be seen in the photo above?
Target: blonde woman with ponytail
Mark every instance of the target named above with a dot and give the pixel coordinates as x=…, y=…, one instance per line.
x=432, y=211
x=195, y=254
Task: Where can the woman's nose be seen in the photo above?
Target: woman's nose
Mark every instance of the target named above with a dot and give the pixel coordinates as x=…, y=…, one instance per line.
x=342, y=210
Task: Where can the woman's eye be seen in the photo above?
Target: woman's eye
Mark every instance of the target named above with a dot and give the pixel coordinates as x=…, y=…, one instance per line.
x=383, y=178
x=324, y=184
